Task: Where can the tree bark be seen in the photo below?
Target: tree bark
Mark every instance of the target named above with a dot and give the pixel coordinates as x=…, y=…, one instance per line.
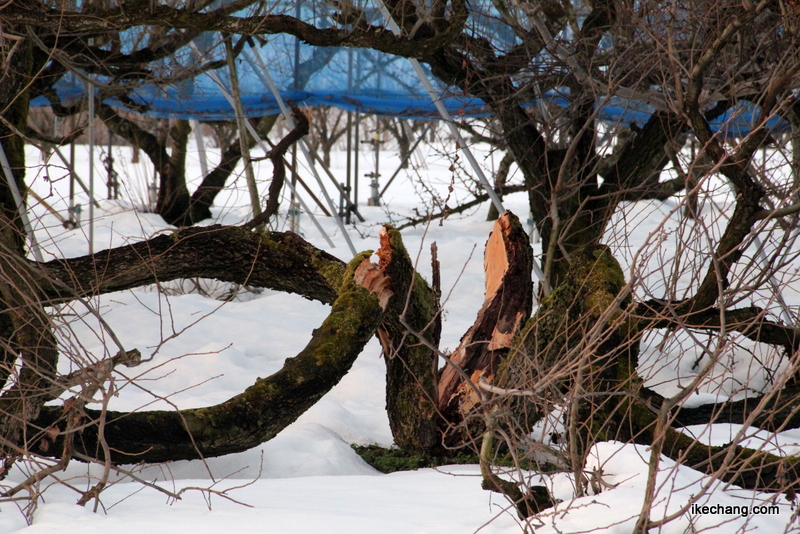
x=500, y=179
x=254, y=416
x=507, y=305
x=30, y=340
x=412, y=313
x=275, y=260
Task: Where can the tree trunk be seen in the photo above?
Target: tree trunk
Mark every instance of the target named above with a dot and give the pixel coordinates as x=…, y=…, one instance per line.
x=409, y=335
x=30, y=340
x=15, y=79
x=14, y=103
x=254, y=416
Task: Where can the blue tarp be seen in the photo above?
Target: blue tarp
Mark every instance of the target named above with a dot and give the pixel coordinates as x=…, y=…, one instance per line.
x=353, y=79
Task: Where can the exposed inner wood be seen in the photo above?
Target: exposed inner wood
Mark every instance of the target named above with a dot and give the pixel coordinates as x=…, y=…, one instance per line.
x=409, y=335
x=507, y=305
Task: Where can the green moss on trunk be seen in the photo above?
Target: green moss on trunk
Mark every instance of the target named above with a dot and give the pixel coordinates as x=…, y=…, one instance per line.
x=261, y=411
x=410, y=364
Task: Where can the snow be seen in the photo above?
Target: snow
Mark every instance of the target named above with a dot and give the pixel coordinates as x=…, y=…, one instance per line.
x=308, y=479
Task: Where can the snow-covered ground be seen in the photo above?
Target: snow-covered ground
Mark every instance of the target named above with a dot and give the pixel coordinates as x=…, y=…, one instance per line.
x=308, y=479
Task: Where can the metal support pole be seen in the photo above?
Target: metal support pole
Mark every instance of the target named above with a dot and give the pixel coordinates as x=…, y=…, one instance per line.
x=255, y=202
x=90, y=88
x=304, y=149
x=152, y=189
x=294, y=213
x=356, y=158
x=375, y=195
x=112, y=182
x=349, y=180
x=264, y=147
x=201, y=146
x=74, y=211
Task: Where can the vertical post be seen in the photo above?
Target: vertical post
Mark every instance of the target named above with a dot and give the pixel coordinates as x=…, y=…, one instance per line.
x=90, y=88
x=296, y=69
x=201, y=146
x=74, y=210
x=349, y=186
x=348, y=181
x=355, y=166
x=255, y=203
x=112, y=182
x=294, y=212
x=152, y=189
x=374, y=190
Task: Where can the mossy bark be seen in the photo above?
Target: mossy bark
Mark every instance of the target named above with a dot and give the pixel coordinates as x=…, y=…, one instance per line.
x=579, y=344
x=748, y=468
x=410, y=363
x=254, y=416
x=582, y=343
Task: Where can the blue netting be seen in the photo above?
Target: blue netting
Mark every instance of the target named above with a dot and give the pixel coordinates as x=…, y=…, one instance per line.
x=352, y=79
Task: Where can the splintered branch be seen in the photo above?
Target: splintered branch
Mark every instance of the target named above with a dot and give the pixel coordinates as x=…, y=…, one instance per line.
x=409, y=335
x=507, y=305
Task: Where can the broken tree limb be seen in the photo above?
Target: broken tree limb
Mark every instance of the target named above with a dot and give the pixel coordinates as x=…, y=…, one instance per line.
x=410, y=364
x=507, y=305
x=254, y=416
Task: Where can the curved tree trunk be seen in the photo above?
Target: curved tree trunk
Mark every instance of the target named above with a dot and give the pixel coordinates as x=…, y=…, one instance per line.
x=274, y=260
x=250, y=418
